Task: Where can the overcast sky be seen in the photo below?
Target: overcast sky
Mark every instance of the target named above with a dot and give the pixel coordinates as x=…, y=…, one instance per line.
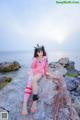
x=24, y=23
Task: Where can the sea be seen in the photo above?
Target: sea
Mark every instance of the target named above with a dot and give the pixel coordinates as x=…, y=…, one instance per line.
x=25, y=57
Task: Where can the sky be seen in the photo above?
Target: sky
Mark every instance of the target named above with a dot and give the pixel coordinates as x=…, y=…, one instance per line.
x=24, y=23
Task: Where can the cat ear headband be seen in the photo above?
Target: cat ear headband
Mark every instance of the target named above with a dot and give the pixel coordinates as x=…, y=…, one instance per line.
x=39, y=47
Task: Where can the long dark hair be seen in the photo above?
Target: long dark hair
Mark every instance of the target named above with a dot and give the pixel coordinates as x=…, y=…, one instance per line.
x=39, y=48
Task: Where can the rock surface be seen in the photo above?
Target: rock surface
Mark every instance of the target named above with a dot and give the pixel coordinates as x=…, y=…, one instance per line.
x=9, y=66
x=63, y=61
x=72, y=79
x=4, y=81
x=11, y=97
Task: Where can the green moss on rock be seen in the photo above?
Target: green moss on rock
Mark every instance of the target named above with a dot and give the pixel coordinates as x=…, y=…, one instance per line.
x=4, y=81
x=8, y=67
x=71, y=75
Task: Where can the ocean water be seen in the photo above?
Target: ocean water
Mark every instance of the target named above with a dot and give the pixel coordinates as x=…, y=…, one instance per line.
x=25, y=57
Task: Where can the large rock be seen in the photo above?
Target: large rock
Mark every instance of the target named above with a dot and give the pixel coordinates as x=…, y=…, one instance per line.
x=4, y=81
x=72, y=79
x=65, y=64
x=46, y=103
x=73, y=86
x=58, y=67
x=54, y=64
x=64, y=61
x=71, y=69
x=72, y=83
x=60, y=71
x=9, y=66
x=70, y=65
x=45, y=107
x=13, y=95
x=76, y=104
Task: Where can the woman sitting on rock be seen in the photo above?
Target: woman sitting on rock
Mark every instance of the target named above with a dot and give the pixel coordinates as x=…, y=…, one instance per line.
x=39, y=68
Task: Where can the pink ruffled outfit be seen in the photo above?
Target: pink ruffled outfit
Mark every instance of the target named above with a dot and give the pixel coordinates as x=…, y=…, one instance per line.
x=37, y=67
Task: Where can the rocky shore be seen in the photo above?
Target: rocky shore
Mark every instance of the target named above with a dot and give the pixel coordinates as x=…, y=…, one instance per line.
x=11, y=97
x=9, y=66
x=72, y=79
x=4, y=81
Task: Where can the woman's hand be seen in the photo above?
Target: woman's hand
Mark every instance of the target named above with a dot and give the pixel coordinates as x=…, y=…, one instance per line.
x=52, y=76
x=48, y=76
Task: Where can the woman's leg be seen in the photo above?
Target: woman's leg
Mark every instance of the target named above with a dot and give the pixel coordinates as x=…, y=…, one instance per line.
x=35, y=80
x=27, y=93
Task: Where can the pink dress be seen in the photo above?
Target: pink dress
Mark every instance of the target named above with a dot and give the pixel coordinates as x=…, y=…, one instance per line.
x=39, y=66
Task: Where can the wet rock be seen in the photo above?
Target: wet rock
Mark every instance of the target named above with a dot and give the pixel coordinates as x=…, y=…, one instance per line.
x=72, y=83
x=45, y=105
x=46, y=109
x=78, y=77
x=64, y=61
x=76, y=105
x=60, y=71
x=72, y=78
x=52, y=64
x=71, y=69
x=58, y=67
x=78, y=88
x=9, y=66
x=70, y=65
x=13, y=95
x=73, y=86
x=4, y=81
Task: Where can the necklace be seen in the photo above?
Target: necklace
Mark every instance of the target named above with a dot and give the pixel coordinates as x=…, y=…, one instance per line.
x=40, y=60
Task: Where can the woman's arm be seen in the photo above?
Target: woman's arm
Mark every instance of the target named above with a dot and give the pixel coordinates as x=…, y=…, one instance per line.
x=46, y=67
x=46, y=72
x=56, y=78
x=59, y=80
